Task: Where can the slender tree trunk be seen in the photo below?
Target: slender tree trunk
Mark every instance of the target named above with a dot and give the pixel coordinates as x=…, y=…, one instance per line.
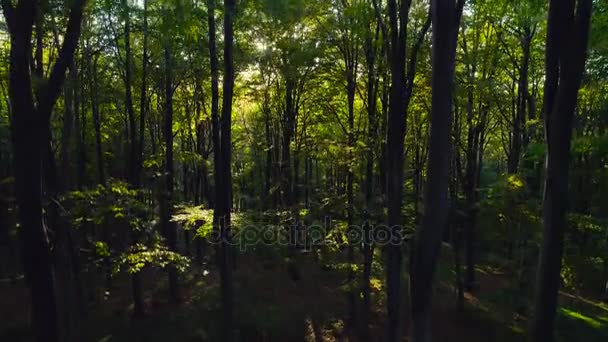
x=67, y=135
x=226, y=269
x=169, y=228
x=29, y=130
x=368, y=251
x=455, y=218
x=133, y=177
x=394, y=168
x=567, y=35
x=269, y=152
x=97, y=125
x=80, y=124
x=351, y=87
x=288, y=127
x=137, y=147
x=215, y=122
x=143, y=105
x=445, y=18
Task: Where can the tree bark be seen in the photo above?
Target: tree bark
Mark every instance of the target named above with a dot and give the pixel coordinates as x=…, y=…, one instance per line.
x=169, y=229
x=101, y=178
x=226, y=267
x=30, y=134
x=567, y=35
x=133, y=177
x=396, y=126
x=143, y=105
x=445, y=20
x=368, y=249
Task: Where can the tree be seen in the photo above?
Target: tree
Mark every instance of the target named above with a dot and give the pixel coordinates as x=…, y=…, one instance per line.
x=31, y=114
x=446, y=16
x=402, y=82
x=566, y=47
x=168, y=227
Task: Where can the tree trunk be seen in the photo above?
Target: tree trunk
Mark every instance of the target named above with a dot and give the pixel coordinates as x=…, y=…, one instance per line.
x=268, y=171
x=29, y=130
x=217, y=205
x=394, y=168
x=143, y=105
x=445, y=20
x=351, y=87
x=567, y=35
x=169, y=229
x=226, y=267
x=133, y=156
x=97, y=125
x=288, y=128
x=368, y=251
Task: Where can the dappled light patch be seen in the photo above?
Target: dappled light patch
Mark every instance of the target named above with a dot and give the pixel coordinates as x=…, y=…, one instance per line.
x=592, y=322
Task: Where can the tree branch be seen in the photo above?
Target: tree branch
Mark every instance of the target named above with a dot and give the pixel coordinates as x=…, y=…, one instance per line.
x=64, y=59
x=9, y=13
x=411, y=68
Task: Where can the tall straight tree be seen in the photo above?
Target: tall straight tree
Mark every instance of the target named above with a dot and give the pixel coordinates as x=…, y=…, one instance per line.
x=168, y=227
x=565, y=54
x=402, y=82
x=137, y=148
x=227, y=286
x=222, y=156
x=348, y=45
x=446, y=16
x=215, y=125
x=132, y=168
x=29, y=128
x=371, y=52
x=143, y=104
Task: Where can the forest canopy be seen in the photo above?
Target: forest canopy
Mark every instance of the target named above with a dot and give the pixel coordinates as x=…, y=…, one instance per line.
x=276, y=170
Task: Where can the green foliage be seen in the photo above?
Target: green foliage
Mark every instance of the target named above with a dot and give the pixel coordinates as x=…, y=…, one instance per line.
x=101, y=249
x=195, y=218
x=139, y=256
x=105, y=204
x=507, y=213
x=585, y=262
x=120, y=214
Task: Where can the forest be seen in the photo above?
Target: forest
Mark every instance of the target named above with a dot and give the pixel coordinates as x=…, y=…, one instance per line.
x=304, y=170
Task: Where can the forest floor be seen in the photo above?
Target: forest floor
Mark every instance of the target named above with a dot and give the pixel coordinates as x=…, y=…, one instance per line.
x=273, y=303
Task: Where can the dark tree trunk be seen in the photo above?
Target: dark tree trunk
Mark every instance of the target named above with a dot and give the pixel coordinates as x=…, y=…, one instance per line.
x=368, y=251
x=137, y=154
x=399, y=99
x=445, y=18
x=349, y=51
x=215, y=123
x=396, y=126
x=133, y=177
x=80, y=125
x=296, y=178
x=169, y=229
x=143, y=105
x=351, y=87
x=268, y=171
x=227, y=256
x=455, y=216
x=567, y=35
x=30, y=134
x=289, y=118
x=523, y=94
x=470, y=184
x=67, y=134
x=97, y=125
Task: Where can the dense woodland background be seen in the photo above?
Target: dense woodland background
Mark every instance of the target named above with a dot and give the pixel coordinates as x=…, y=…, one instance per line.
x=304, y=170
